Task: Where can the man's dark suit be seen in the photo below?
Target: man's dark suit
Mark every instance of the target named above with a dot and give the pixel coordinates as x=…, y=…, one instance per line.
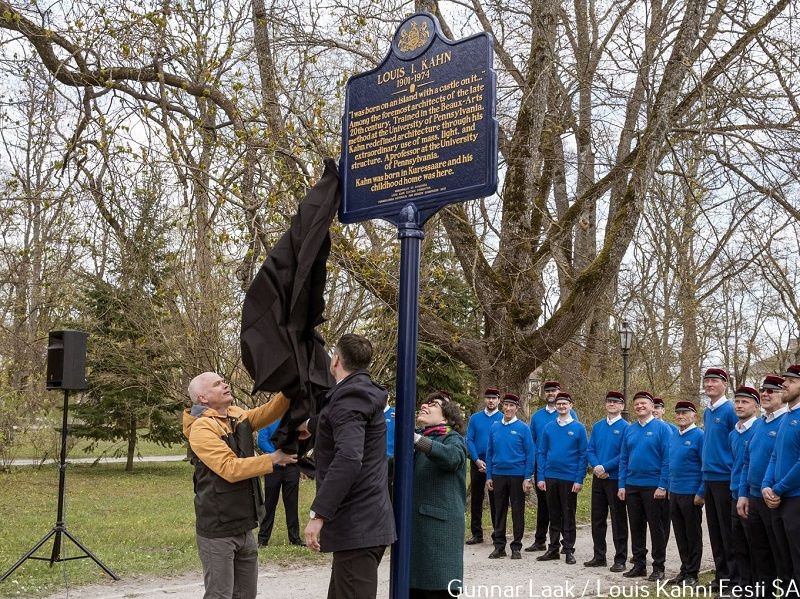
x=352, y=495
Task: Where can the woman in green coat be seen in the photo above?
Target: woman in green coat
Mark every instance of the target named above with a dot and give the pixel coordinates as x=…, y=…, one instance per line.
x=440, y=490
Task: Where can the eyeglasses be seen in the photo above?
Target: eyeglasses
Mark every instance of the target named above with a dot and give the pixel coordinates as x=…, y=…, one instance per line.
x=434, y=402
x=771, y=391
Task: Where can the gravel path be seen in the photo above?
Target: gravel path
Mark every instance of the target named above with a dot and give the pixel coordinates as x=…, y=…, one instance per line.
x=518, y=578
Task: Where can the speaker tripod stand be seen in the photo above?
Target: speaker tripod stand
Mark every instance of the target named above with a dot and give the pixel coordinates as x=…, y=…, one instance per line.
x=60, y=529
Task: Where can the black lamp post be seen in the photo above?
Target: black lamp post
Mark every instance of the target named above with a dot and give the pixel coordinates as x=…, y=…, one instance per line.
x=625, y=342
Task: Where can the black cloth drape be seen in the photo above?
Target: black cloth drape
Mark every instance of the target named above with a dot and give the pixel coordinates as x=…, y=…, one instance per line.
x=281, y=349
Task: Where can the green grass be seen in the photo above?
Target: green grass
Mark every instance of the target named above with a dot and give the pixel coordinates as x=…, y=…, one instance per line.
x=24, y=447
x=138, y=523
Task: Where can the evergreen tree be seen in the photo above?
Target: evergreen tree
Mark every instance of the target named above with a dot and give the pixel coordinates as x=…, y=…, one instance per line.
x=132, y=366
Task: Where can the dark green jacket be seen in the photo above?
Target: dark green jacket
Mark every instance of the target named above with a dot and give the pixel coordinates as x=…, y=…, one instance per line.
x=437, y=532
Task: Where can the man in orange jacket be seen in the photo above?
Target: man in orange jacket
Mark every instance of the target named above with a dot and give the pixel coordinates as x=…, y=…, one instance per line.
x=228, y=502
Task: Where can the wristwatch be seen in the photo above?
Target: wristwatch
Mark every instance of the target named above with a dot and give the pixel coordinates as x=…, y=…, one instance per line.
x=313, y=515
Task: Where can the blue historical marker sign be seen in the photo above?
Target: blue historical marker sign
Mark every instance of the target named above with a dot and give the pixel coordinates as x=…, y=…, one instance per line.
x=421, y=127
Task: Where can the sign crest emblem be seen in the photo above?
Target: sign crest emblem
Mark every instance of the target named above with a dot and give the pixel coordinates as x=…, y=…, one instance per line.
x=414, y=36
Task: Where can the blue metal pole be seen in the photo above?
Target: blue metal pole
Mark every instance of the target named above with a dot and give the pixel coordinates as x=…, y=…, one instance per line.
x=410, y=233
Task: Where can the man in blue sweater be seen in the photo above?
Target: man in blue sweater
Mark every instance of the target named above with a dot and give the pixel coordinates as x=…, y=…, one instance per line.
x=509, y=467
x=768, y=561
x=718, y=422
x=286, y=478
x=643, y=481
x=747, y=406
x=539, y=420
x=781, y=486
x=477, y=442
x=603, y=452
x=560, y=471
x=388, y=416
x=660, y=410
x=686, y=492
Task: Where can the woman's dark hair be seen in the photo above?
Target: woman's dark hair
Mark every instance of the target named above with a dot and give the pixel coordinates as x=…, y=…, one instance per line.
x=450, y=410
x=442, y=396
x=453, y=415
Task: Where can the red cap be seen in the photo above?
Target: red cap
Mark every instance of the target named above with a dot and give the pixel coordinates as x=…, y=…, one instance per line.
x=792, y=372
x=685, y=406
x=717, y=373
x=564, y=395
x=645, y=394
x=773, y=381
x=749, y=393
x=491, y=392
x=511, y=398
x=551, y=385
x=615, y=396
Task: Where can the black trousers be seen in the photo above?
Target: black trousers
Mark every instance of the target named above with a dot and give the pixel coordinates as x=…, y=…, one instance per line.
x=786, y=524
x=764, y=561
x=740, y=549
x=542, y=516
x=562, y=504
x=288, y=479
x=645, y=511
x=605, y=500
x=508, y=490
x=667, y=516
x=718, y=518
x=354, y=573
x=687, y=520
x=477, y=491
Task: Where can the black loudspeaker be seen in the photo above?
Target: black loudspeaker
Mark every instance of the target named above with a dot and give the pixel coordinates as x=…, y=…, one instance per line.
x=66, y=360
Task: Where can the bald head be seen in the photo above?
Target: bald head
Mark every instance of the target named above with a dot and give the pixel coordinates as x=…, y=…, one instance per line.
x=198, y=385
x=210, y=389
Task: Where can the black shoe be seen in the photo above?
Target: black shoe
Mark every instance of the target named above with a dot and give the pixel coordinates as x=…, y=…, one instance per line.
x=677, y=580
x=548, y=555
x=618, y=567
x=497, y=554
x=570, y=559
x=595, y=562
x=656, y=575
x=475, y=540
x=263, y=543
x=515, y=554
x=297, y=542
x=691, y=581
x=537, y=546
x=636, y=572
x=563, y=550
